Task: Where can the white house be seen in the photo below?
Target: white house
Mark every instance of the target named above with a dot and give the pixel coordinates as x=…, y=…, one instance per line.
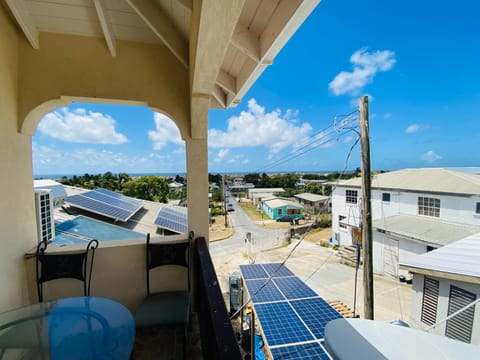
x=413, y=211
x=259, y=194
x=444, y=281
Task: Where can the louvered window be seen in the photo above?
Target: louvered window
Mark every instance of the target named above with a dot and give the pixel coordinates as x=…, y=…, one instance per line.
x=430, y=301
x=460, y=326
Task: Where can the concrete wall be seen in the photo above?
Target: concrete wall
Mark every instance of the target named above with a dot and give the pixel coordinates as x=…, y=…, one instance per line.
x=118, y=273
x=442, y=307
x=406, y=249
x=17, y=216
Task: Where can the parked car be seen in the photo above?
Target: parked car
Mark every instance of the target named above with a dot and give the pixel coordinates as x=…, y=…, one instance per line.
x=230, y=207
x=285, y=218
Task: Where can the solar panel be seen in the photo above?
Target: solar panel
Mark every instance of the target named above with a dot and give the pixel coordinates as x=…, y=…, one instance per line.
x=303, y=351
x=316, y=313
x=292, y=316
x=106, y=203
x=114, y=194
x=280, y=324
x=277, y=270
x=268, y=292
x=254, y=271
x=173, y=220
x=294, y=288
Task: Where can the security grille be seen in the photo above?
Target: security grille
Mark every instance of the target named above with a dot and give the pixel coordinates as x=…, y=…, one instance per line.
x=460, y=326
x=430, y=301
x=44, y=212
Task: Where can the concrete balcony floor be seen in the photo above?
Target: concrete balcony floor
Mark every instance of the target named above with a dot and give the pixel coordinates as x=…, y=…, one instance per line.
x=166, y=343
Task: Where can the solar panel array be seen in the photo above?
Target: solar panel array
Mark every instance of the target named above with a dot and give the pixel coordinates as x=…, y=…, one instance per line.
x=107, y=203
x=291, y=315
x=172, y=219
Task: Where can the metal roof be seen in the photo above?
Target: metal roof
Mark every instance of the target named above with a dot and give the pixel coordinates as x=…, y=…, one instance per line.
x=265, y=190
x=311, y=197
x=424, y=180
x=276, y=203
x=422, y=229
x=462, y=258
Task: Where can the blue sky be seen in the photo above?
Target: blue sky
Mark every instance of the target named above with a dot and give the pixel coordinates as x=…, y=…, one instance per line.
x=418, y=61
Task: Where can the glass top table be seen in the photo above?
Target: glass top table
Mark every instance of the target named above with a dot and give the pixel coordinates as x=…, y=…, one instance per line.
x=69, y=328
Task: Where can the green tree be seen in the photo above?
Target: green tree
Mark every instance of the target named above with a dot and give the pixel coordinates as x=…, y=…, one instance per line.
x=313, y=188
x=153, y=188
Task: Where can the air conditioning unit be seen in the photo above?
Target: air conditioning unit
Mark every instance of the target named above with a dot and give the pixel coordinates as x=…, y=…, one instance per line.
x=44, y=213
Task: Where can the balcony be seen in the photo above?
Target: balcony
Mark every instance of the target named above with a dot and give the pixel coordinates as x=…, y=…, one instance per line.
x=119, y=274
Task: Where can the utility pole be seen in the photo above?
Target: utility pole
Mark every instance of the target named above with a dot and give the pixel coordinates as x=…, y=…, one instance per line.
x=366, y=210
x=224, y=200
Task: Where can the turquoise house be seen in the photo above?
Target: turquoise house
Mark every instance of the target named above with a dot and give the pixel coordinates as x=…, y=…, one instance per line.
x=277, y=207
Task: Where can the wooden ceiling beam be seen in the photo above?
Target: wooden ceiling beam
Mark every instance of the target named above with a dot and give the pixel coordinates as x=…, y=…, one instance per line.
x=219, y=96
x=245, y=41
x=161, y=25
x=25, y=21
x=227, y=82
x=186, y=4
x=106, y=25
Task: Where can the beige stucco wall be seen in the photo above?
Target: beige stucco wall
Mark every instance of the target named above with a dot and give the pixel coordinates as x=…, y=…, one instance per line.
x=82, y=67
x=18, y=229
x=118, y=273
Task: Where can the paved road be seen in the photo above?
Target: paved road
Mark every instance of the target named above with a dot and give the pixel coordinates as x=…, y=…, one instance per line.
x=242, y=224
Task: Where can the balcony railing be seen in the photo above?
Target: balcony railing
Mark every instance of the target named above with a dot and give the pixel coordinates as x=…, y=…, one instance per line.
x=218, y=339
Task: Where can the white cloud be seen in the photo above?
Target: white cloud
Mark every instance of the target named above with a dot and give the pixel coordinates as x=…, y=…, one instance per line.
x=413, y=129
x=366, y=65
x=81, y=126
x=222, y=155
x=51, y=160
x=166, y=131
x=255, y=127
x=430, y=157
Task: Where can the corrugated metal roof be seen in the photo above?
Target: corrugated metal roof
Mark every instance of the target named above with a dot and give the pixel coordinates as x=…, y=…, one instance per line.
x=276, y=203
x=311, y=197
x=58, y=191
x=266, y=190
x=424, y=180
x=426, y=230
x=460, y=258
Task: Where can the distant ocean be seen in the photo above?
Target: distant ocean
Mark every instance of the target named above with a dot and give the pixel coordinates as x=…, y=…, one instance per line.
x=68, y=176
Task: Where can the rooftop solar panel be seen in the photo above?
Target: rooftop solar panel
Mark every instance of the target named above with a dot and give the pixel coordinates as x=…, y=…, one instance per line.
x=309, y=351
x=280, y=324
x=122, y=204
x=277, y=270
x=316, y=313
x=120, y=196
x=99, y=207
x=106, y=203
x=253, y=271
x=294, y=288
x=261, y=290
x=173, y=220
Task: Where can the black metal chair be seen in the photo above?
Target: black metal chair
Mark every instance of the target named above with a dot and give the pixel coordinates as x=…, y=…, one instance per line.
x=166, y=307
x=56, y=266
x=32, y=333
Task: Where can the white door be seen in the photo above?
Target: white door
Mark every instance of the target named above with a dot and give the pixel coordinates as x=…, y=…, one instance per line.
x=390, y=257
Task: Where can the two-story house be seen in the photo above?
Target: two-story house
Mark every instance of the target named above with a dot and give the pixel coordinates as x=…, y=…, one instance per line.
x=413, y=211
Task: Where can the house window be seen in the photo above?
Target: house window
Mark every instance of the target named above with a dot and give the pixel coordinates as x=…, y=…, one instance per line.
x=477, y=208
x=351, y=196
x=428, y=206
x=460, y=326
x=430, y=301
x=279, y=211
x=340, y=218
x=386, y=197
